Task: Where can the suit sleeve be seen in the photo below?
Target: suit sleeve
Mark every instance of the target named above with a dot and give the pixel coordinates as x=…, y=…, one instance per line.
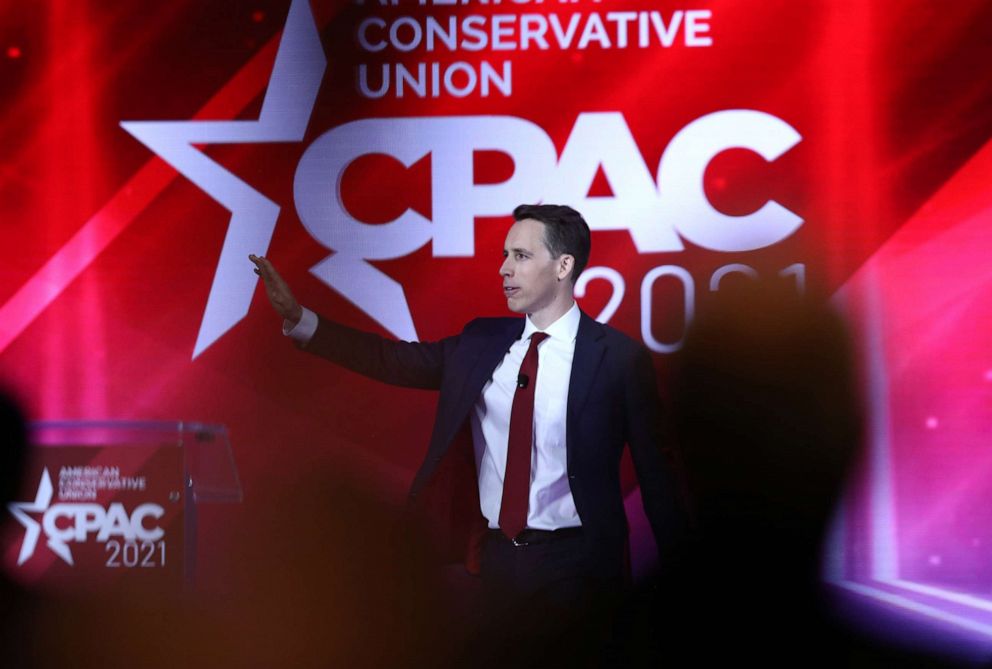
x=655, y=466
x=401, y=363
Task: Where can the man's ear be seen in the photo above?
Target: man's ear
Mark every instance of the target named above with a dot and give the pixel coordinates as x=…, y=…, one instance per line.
x=566, y=263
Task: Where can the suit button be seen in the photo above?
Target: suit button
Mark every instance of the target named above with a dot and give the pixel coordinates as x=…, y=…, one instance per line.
x=571, y=477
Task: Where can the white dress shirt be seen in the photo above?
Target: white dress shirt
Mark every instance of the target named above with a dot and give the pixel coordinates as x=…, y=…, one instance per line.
x=550, y=504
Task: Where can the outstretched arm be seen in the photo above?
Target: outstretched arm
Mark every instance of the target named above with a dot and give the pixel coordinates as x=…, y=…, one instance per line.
x=411, y=364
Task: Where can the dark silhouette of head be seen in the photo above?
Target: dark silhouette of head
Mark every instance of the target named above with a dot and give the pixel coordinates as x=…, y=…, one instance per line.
x=13, y=447
x=768, y=414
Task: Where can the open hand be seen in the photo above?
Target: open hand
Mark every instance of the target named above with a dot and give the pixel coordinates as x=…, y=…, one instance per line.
x=278, y=290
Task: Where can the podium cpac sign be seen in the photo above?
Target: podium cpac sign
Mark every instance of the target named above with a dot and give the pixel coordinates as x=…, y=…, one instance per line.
x=94, y=516
x=67, y=522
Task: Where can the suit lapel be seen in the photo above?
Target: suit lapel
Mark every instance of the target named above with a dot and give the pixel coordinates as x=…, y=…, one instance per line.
x=589, y=350
x=491, y=353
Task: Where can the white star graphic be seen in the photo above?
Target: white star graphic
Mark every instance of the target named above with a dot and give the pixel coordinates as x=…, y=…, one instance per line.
x=289, y=99
x=32, y=529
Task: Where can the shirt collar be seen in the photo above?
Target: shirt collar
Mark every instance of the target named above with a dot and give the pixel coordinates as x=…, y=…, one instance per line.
x=565, y=329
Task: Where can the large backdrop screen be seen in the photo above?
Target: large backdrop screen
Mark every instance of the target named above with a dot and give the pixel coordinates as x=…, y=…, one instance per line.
x=374, y=151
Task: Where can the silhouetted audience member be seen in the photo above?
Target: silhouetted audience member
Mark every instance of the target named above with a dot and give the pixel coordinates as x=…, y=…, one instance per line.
x=15, y=606
x=769, y=424
x=13, y=448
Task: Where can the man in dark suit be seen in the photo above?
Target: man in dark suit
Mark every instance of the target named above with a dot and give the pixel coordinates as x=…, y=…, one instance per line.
x=524, y=460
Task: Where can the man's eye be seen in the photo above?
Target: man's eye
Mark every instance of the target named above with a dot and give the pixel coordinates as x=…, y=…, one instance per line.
x=520, y=256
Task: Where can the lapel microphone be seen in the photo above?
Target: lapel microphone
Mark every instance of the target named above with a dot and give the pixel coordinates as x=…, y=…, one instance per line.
x=522, y=380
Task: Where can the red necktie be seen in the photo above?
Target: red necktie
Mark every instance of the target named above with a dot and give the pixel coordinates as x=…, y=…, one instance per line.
x=516, y=479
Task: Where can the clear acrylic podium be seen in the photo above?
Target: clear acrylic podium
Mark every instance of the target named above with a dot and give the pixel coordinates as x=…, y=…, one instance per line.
x=114, y=503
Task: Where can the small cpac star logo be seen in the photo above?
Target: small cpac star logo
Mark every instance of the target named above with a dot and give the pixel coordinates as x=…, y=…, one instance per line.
x=32, y=528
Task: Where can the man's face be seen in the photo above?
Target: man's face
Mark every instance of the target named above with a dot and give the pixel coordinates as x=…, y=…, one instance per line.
x=530, y=274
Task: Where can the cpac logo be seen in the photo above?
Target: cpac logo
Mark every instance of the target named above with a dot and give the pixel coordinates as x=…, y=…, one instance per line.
x=83, y=519
x=659, y=211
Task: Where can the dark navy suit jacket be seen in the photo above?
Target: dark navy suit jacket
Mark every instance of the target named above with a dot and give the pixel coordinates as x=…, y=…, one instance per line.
x=612, y=401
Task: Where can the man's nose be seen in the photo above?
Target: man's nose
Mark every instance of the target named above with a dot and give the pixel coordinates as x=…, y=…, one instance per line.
x=504, y=269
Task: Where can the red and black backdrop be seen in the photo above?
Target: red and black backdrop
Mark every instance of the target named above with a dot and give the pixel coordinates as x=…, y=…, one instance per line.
x=374, y=151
